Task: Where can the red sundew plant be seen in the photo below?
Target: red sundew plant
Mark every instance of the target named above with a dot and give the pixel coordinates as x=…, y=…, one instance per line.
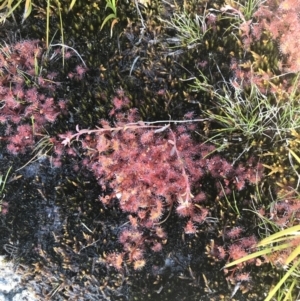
x=234, y=232
x=281, y=19
x=152, y=170
x=4, y=208
x=277, y=24
x=25, y=110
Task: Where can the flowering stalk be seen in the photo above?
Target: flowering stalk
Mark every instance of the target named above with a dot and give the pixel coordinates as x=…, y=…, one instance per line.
x=68, y=137
x=187, y=194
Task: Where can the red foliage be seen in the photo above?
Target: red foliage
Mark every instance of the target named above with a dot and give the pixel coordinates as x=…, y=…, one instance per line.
x=190, y=228
x=24, y=110
x=248, y=242
x=152, y=169
x=236, y=251
x=281, y=20
x=4, y=208
x=234, y=232
x=23, y=137
x=115, y=260
x=243, y=277
x=80, y=71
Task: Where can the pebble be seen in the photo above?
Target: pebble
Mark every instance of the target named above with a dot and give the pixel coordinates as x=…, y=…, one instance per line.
x=11, y=288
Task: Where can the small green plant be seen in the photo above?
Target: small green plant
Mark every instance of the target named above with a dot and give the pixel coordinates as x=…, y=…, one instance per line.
x=249, y=7
x=233, y=205
x=250, y=113
x=190, y=30
x=244, y=9
x=113, y=16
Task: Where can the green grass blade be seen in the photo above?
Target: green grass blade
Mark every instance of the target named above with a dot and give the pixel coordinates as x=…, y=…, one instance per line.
x=4, y=4
x=294, y=155
x=47, y=23
x=3, y=182
x=288, y=231
x=293, y=255
x=282, y=280
x=11, y=9
x=27, y=10
x=256, y=254
x=61, y=30
x=112, y=7
x=72, y=4
x=288, y=293
x=110, y=16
